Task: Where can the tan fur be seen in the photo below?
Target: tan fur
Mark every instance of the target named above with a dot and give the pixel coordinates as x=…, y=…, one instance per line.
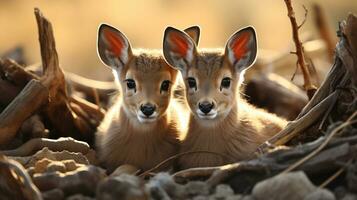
x=238, y=128
x=121, y=138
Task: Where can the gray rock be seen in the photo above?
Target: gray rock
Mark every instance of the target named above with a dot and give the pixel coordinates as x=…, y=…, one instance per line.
x=196, y=188
x=163, y=185
x=291, y=186
x=340, y=192
x=124, y=186
x=54, y=194
x=79, y=197
x=232, y=197
x=349, y=196
x=200, y=197
x=248, y=197
x=237, y=197
x=223, y=190
x=320, y=194
x=156, y=192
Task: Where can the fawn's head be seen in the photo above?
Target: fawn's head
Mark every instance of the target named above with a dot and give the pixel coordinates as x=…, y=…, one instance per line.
x=145, y=79
x=211, y=78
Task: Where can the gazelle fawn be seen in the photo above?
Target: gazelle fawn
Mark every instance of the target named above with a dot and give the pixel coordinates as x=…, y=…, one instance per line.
x=140, y=129
x=220, y=121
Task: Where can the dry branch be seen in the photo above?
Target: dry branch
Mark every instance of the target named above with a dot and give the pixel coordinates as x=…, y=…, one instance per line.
x=308, y=85
x=14, y=73
x=58, y=111
x=243, y=175
x=13, y=79
x=64, y=116
x=275, y=94
x=317, y=150
x=85, y=85
x=324, y=30
x=298, y=126
x=23, y=106
x=82, y=84
x=331, y=95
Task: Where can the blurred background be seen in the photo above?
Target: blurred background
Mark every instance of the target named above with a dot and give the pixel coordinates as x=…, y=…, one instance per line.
x=143, y=21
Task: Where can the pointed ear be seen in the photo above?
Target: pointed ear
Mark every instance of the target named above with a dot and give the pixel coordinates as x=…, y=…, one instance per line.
x=241, y=48
x=113, y=47
x=194, y=33
x=179, y=49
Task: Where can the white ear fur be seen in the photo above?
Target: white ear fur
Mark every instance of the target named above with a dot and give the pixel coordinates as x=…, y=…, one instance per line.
x=113, y=47
x=241, y=48
x=179, y=48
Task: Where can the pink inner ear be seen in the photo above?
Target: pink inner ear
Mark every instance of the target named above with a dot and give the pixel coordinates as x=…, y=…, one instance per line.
x=116, y=44
x=181, y=45
x=240, y=45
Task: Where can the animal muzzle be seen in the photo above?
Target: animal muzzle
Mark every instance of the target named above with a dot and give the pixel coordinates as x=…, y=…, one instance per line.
x=148, y=109
x=206, y=107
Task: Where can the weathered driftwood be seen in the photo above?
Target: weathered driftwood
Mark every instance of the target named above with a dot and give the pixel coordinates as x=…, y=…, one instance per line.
x=15, y=183
x=12, y=79
x=60, y=144
x=23, y=106
x=34, y=127
x=87, y=86
x=242, y=176
x=276, y=94
x=58, y=111
x=46, y=94
x=337, y=93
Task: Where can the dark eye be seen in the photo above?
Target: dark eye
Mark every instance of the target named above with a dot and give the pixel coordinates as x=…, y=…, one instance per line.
x=226, y=82
x=191, y=82
x=165, y=85
x=130, y=83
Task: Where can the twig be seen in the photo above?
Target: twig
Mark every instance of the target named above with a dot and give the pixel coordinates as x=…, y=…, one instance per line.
x=305, y=17
x=335, y=175
x=308, y=85
x=89, y=108
x=177, y=156
x=195, y=172
x=85, y=85
x=300, y=124
x=327, y=140
x=96, y=98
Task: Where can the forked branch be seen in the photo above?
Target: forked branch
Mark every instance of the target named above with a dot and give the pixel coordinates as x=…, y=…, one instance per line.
x=308, y=85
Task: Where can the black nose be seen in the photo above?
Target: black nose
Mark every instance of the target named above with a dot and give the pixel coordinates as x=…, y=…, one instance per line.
x=147, y=109
x=205, y=107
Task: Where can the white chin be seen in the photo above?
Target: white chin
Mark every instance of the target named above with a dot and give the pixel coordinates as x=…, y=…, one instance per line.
x=144, y=119
x=208, y=116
